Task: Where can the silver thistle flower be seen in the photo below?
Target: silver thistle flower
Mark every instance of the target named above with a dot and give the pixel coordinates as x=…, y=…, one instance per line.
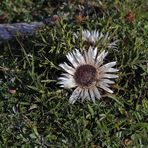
x=92, y=37
x=87, y=74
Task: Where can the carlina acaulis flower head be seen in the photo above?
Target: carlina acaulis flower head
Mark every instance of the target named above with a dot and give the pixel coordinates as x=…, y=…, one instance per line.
x=87, y=75
x=91, y=38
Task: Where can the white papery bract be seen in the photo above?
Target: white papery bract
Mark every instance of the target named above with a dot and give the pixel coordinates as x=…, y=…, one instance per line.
x=87, y=75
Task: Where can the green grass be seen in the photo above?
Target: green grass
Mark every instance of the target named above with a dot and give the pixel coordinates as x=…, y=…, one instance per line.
x=39, y=114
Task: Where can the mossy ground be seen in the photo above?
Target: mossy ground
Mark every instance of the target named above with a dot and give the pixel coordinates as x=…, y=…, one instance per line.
x=34, y=110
